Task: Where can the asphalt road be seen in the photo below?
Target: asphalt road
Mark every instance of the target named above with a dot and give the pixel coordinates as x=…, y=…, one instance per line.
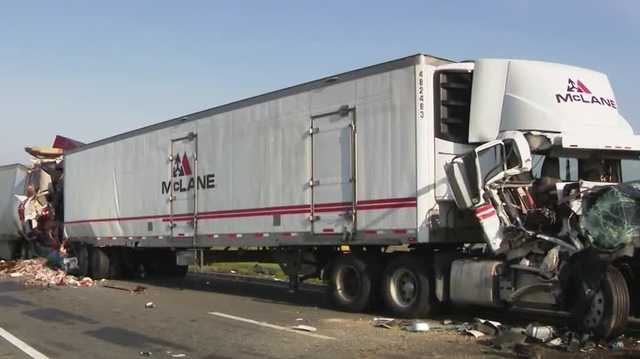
x=205, y=317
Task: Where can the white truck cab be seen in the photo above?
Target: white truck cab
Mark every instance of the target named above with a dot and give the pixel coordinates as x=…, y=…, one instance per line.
x=543, y=182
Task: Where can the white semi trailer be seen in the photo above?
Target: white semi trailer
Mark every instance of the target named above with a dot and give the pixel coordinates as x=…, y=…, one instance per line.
x=12, y=183
x=420, y=180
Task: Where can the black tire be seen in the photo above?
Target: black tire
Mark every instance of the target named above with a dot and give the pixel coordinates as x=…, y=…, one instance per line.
x=100, y=263
x=350, y=283
x=84, y=262
x=609, y=311
x=406, y=288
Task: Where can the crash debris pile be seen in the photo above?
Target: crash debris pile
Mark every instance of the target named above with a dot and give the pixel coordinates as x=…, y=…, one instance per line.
x=35, y=273
x=520, y=340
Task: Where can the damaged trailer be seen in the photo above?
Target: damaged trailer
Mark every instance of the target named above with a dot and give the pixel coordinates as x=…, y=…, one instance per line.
x=12, y=185
x=420, y=180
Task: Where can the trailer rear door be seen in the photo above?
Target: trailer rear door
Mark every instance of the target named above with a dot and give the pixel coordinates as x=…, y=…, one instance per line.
x=333, y=176
x=183, y=167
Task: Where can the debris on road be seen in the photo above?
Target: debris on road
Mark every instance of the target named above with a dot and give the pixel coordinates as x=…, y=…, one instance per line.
x=417, y=327
x=304, y=328
x=35, y=273
x=509, y=339
x=475, y=333
x=487, y=327
x=381, y=322
x=543, y=333
x=150, y=305
x=555, y=342
x=616, y=345
x=146, y=354
x=136, y=290
x=176, y=355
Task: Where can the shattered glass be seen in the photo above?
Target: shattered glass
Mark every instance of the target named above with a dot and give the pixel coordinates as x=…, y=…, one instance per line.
x=611, y=215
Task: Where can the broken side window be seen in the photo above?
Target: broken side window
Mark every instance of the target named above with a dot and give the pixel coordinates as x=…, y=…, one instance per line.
x=491, y=161
x=562, y=168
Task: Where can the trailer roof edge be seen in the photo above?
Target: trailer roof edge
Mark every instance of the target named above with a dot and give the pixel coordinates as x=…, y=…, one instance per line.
x=14, y=165
x=268, y=96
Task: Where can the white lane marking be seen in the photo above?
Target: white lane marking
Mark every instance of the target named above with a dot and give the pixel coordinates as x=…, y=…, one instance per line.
x=272, y=326
x=22, y=345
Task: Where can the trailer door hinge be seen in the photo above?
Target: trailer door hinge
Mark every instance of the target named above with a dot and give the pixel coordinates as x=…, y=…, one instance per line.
x=313, y=131
x=313, y=183
x=344, y=110
x=314, y=218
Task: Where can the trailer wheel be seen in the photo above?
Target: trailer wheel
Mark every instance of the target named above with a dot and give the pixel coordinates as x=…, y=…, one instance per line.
x=100, y=266
x=350, y=283
x=82, y=253
x=406, y=287
x=609, y=311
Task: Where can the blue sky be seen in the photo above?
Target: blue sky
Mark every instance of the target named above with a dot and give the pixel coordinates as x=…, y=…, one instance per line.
x=89, y=70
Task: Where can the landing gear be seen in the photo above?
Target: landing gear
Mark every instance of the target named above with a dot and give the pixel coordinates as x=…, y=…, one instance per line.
x=406, y=287
x=609, y=310
x=351, y=282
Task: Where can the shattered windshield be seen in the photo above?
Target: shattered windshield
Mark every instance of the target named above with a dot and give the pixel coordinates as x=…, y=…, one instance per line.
x=611, y=215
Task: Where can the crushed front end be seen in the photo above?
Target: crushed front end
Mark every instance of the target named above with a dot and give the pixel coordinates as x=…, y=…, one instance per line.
x=550, y=241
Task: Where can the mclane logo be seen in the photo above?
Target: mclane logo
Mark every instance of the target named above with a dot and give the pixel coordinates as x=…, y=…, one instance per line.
x=577, y=91
x=183, y=179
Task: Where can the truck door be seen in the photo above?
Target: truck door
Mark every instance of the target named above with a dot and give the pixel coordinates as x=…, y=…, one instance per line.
x=333, y=172
x=183, y=168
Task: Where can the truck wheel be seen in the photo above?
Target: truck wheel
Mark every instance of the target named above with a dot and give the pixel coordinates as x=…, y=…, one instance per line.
x=82, y=253
x=406, y=287
x=100, y=266
x=609, y=311
x=350, y=283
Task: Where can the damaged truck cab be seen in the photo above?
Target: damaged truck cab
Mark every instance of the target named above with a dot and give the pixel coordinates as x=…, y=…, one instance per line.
x=557, y=228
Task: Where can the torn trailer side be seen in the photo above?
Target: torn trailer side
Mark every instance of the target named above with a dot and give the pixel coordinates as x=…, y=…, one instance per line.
x=12, y=185
x=391, y=181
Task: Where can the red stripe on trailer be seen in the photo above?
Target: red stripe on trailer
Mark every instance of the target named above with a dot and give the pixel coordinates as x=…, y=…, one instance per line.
x=328, y=230
x=388, y=200
x=400, y=231
x=266, y=211
x=370, y=232
x=231, y=236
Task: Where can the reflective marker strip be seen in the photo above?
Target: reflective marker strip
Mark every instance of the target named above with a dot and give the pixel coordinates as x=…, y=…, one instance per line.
x=272, y=326
x=22, y=345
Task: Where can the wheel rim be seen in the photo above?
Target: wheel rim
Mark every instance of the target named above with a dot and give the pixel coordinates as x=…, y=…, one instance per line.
x=403, y=287
x=595, y=313
x=348, y=282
